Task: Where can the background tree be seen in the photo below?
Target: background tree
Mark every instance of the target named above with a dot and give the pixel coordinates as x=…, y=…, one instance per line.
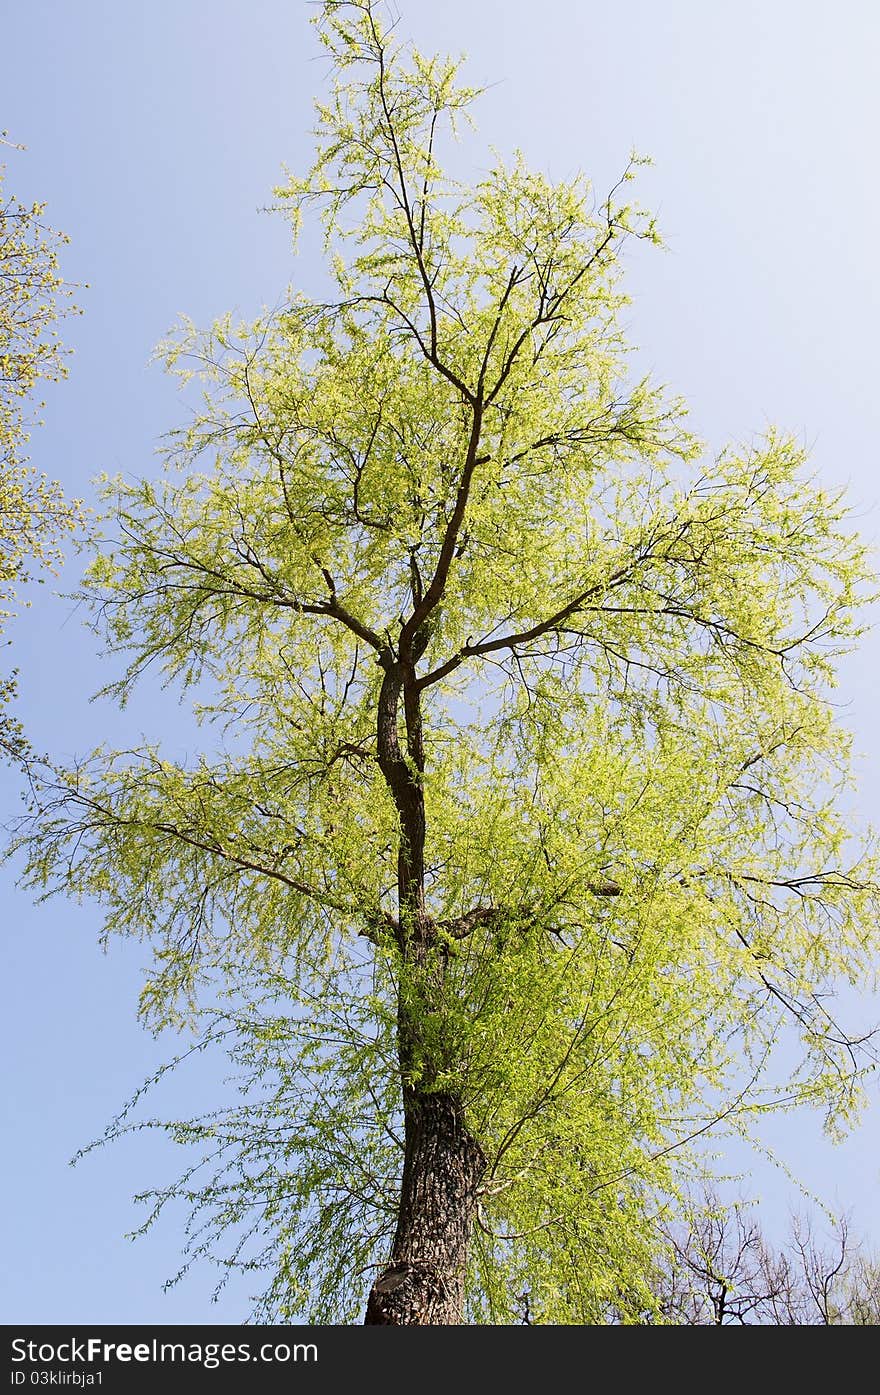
x=519, y=852
x=723, y=1272
x=33, y=512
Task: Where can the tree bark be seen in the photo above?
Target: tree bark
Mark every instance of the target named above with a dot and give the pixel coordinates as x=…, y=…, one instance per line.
x=424, y=1280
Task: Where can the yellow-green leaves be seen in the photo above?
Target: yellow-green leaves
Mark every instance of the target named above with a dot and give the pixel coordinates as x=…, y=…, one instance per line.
x=611, y=656
x=34, y=515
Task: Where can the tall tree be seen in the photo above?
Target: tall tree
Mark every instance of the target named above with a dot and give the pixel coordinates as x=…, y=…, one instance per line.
x=520, y=851
x=33, y=512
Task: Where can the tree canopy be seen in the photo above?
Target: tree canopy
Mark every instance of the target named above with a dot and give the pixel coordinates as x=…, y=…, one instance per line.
x=33, y=512
x=516, y=841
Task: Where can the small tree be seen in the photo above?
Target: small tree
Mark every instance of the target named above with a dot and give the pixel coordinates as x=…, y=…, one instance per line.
x=33, y=512
x=723, y=1272
x=521, y=849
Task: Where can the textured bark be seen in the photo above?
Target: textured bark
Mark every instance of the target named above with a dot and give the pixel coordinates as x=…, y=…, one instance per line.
x=424, y=1280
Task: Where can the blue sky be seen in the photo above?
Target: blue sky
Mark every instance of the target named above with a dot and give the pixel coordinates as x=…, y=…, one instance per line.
x=156, y=133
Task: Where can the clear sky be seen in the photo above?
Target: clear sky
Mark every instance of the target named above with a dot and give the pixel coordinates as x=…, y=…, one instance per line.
x=156, y=132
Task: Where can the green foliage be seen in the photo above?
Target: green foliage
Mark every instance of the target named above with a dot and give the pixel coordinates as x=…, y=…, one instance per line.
x=33, y=511
x=637, y=873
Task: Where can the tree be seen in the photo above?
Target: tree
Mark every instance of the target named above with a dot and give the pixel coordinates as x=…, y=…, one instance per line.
x=723, y=1272
x=518, y=852
x=33, y=511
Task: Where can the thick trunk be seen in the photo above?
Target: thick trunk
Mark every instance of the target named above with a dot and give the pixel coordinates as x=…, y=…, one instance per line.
x=423, y=1282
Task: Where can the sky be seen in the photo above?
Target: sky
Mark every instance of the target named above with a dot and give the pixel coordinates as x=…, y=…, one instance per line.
x=156, y=133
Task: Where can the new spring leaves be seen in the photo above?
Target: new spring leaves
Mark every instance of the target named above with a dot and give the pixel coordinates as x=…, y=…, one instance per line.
x=514, y=850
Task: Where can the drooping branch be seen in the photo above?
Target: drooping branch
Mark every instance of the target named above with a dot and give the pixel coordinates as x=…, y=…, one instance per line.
x=72, y=816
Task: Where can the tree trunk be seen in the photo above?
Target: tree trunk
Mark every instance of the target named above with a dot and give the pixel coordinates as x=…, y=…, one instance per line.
x=424, y=1280
x=443, y=1165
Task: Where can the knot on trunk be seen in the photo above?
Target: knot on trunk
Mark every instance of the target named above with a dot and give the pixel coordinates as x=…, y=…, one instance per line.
x=408, y=1295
